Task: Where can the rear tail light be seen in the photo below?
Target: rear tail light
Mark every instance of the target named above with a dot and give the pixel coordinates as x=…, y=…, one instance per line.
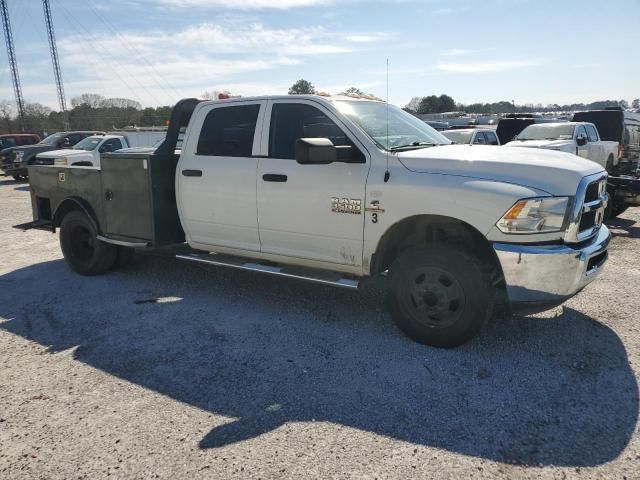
x=620, y=150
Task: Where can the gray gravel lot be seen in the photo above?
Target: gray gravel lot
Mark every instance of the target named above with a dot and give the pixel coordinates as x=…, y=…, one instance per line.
x=237, y=375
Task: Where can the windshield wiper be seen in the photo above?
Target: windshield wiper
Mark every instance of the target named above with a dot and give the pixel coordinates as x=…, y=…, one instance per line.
x=411, y=146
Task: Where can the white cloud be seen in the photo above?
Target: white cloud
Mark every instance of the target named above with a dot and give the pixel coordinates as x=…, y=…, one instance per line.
x=456, y=52
x=201, y=57
x=244, y=4
x=486, y=67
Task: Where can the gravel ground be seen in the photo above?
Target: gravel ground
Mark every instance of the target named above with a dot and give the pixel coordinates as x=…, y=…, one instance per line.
x=170, y=370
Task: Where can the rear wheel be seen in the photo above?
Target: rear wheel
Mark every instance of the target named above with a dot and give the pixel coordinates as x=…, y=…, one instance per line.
x=82, y=251
x=609, y=166
x=439, y=295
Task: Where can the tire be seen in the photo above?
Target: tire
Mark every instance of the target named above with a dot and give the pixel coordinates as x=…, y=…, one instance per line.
x=124, y=256
x=439, y=295
x=82, y=251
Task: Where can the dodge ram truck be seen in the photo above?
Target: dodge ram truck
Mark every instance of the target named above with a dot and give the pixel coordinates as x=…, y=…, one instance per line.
x=337, y=190
x=580, y=138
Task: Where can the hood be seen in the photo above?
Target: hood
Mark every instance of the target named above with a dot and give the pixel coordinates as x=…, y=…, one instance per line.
x=72, y=156
x=69, y=152
x=552, y=144
x=33, y=149
x=557, y=173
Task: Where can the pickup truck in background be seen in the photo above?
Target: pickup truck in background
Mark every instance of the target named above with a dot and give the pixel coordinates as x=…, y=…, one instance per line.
x=11, y=140
x=579, y=138
x=338, y=190
x=16, y=161
x=87, y=152
x=472, y=136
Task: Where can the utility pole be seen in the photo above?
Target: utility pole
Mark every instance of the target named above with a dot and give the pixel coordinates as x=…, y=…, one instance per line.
x=54, y=60
x=13, y=65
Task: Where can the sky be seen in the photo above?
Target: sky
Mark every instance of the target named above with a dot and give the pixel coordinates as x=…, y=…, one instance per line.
x=158, y=51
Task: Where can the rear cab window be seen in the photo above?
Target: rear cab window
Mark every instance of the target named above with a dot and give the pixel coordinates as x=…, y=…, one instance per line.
x=228, y=131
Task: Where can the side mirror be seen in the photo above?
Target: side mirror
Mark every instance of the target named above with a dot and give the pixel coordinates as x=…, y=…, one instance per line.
x=581, y=141
x=315, y=151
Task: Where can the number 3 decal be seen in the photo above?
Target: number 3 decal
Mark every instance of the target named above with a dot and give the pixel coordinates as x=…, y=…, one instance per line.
x=374, y=218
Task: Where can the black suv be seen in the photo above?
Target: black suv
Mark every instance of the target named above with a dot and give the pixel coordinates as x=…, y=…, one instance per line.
x=16, y=159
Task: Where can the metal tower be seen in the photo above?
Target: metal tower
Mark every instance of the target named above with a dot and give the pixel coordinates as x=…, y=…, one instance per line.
x=54, y=59
x=13, y=65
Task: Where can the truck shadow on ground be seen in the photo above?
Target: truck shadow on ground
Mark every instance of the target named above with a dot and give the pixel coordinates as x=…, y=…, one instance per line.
x=623, y=227
x=266, y=351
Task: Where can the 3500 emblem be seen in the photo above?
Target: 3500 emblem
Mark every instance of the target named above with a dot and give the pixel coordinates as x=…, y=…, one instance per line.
x=346, y=205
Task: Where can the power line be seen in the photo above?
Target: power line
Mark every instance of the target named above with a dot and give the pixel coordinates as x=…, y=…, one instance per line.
x=95, y=43
x=135, y=53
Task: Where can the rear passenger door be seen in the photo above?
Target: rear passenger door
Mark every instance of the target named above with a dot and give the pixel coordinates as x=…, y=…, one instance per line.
x=300, y=207
x=216, y=176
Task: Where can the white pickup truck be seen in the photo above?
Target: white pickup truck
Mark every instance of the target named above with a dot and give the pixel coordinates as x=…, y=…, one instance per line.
x=579, y=138
x=335, y=191
x=86, y=153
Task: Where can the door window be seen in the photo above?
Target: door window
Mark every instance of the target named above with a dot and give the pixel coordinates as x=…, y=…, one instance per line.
x=491, y=137
x=111, y=145
x=581, y=132
x=229, y=131
x=479, y=139
x=592, y=133
x=74, y=138
x=291, y=121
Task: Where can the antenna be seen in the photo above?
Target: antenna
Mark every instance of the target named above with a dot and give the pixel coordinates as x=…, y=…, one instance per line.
x=387, y=174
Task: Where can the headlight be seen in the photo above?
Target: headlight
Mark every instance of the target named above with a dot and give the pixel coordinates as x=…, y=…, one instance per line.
x=61, y=161
x=535, y=215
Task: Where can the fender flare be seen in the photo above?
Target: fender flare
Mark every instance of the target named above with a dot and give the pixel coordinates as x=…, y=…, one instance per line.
x=74, y=203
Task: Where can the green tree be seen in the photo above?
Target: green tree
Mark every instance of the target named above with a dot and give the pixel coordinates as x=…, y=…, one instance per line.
x=302, y=87
x=447, y=104
x=353, y=91
x=636, y=103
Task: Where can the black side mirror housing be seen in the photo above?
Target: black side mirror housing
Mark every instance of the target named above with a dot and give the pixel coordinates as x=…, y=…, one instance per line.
x=315, y=151
x=581, y=141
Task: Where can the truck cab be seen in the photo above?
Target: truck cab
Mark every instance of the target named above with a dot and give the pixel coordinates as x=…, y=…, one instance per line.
x=337, y=191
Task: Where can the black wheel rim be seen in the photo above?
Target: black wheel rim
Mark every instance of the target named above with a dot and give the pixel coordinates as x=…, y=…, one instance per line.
x=82, y=243
x=433, y=297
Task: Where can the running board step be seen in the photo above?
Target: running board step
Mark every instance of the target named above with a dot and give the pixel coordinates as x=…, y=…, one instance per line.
x=306, y=274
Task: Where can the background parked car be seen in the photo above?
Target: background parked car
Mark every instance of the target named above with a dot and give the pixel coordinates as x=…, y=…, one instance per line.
x=579, y=138
x=15, y=162
x=617, y=125
x=472, y=136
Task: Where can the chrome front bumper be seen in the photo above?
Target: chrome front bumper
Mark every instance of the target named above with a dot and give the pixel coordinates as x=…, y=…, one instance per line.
x=543, y=276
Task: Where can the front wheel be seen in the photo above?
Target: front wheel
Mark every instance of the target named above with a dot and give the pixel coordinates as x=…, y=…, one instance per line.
x=82, y=251
x=439, y=295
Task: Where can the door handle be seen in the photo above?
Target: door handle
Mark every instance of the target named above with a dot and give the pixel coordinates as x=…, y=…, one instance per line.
x=274, y=177
x=192, y=173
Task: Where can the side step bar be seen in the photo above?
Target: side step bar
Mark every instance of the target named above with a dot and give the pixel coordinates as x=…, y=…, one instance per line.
x=45, y=225
x=306, y=274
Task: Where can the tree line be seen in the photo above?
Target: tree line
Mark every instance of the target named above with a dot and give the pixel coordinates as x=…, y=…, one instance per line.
x=91, y=111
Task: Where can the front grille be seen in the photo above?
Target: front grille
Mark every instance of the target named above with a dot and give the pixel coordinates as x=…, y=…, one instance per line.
x=588, y=211
x=41, y=161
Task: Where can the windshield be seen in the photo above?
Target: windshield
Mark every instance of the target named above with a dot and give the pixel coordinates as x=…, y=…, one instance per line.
x=458, y=136
x=402, y=130
x=88, y=144
x=547, y=132
x=53, y=140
